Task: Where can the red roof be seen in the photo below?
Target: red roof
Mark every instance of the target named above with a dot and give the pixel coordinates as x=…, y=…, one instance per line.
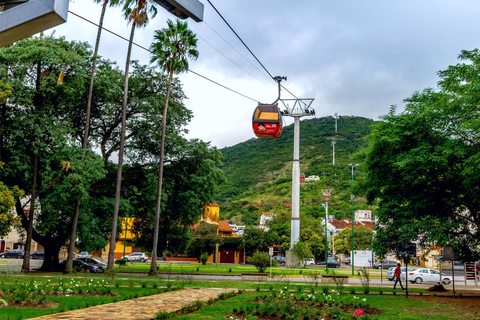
x=223, y=226
x=266, y=213
x=342, y=224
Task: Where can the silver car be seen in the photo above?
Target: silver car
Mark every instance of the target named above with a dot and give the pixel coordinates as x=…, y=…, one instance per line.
x=427, y=275
x=136, y=256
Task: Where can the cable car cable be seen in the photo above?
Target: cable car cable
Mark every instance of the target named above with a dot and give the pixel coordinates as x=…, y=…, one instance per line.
x=241, y=40
x=235, y=49
x=190, y=70
x=264, y=68
x=230, y=59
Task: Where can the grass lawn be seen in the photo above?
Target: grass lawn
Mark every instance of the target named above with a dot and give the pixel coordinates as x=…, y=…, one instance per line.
x=113, y=289
x=239, y=269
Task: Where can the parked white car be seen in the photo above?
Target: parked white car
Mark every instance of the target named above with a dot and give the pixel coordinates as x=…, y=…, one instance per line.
x=309, y=261
x=136, y=256
x=84, y=254
x=427, y=275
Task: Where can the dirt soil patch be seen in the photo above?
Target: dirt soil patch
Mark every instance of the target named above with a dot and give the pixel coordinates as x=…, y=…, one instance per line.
x=467, y=306
x=46, y=304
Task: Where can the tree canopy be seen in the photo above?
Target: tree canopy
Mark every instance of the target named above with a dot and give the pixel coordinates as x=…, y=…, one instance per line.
x=423, y=166
x=45, y=119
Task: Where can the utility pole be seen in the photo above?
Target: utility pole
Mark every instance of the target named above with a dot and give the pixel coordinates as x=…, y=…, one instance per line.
x=353, y=221
x=336, y=117
x=327, y=194
x=333, y=145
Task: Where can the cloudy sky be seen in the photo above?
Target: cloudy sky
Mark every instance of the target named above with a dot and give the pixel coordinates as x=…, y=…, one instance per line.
x=353, y=57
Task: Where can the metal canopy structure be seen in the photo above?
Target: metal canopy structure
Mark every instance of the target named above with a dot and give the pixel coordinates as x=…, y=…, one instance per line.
x=183, y=9
x=20, y=19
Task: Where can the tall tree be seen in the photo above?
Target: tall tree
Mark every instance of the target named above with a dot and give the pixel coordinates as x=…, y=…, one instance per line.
x=189, y=182
x=363, y=239
x=172, y=48
x=423, y=165
x=73, y=236
x=137, y=12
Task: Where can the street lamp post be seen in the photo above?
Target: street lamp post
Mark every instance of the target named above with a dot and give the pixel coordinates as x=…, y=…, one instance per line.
x=353, y=220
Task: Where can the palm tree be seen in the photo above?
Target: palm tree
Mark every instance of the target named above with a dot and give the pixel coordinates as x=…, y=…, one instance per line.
x=171, y=49
x=73, y=235
x=137, y=12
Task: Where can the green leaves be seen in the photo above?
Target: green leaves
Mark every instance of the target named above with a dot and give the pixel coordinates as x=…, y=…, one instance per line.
x=173, y=46
x=423, y=164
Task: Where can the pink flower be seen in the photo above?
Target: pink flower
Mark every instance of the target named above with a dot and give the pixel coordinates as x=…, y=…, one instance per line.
x=358, y=312
x=325, y=315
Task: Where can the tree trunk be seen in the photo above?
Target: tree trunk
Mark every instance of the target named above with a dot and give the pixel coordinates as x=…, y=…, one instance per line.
x=28, y=245
x=51, y=244
x=153, y=265
x=111, y=252
x=73, y=234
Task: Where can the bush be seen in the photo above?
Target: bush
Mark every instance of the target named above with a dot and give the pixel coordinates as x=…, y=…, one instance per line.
x=121, y=262
x=260, y=260
x=204, y=258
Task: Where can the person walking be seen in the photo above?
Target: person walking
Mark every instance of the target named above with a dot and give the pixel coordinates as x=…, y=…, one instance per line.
x=397, y=277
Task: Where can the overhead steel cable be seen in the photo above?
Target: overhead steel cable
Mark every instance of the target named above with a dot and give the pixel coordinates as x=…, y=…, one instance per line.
x=148, y=50
x=264, y=68
x=230, y=59
x=235, y=49
x=273, y=78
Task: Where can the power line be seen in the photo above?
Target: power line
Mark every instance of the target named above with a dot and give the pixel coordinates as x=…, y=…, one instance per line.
x=148, y=50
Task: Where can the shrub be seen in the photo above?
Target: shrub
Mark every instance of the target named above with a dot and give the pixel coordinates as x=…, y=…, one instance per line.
x=260, y=260
x=121, y=262
x=203, y=258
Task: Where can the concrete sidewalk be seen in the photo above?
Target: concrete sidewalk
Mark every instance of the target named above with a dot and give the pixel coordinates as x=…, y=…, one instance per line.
x=140, y=308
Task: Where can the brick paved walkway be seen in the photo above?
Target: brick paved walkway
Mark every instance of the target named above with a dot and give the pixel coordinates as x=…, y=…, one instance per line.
x=141, y=308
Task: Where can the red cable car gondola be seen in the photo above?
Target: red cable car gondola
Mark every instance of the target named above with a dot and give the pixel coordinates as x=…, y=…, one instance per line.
x=267, y=121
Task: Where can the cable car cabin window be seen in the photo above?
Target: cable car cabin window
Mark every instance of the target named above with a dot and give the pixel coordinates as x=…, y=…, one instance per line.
x=267, y=122
x=266, y=113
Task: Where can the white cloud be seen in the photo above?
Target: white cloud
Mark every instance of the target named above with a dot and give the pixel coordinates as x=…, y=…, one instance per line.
x=354, y=57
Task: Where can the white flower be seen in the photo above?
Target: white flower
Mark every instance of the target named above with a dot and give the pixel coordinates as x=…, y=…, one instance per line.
x=364, y=299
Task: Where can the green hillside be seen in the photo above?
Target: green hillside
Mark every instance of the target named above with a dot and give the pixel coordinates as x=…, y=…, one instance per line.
x=259, y=171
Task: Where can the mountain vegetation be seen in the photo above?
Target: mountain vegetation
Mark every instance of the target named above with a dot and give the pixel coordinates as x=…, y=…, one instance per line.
x=259, y=171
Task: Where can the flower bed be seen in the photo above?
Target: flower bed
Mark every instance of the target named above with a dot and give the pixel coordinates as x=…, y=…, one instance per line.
x=286, y=304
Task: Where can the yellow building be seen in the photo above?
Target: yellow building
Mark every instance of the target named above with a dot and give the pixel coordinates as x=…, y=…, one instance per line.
x=120, y=246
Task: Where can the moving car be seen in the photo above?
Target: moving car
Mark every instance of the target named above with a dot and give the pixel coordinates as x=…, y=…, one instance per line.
x=280, y=260
x=79, y=266
x=14, y=253
x=385, y=264
x=427, y=275
x=40, y=254
x=94, y=262
x=136, y=256
x=330, y=263
x=347, y=260
x=84, y=254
